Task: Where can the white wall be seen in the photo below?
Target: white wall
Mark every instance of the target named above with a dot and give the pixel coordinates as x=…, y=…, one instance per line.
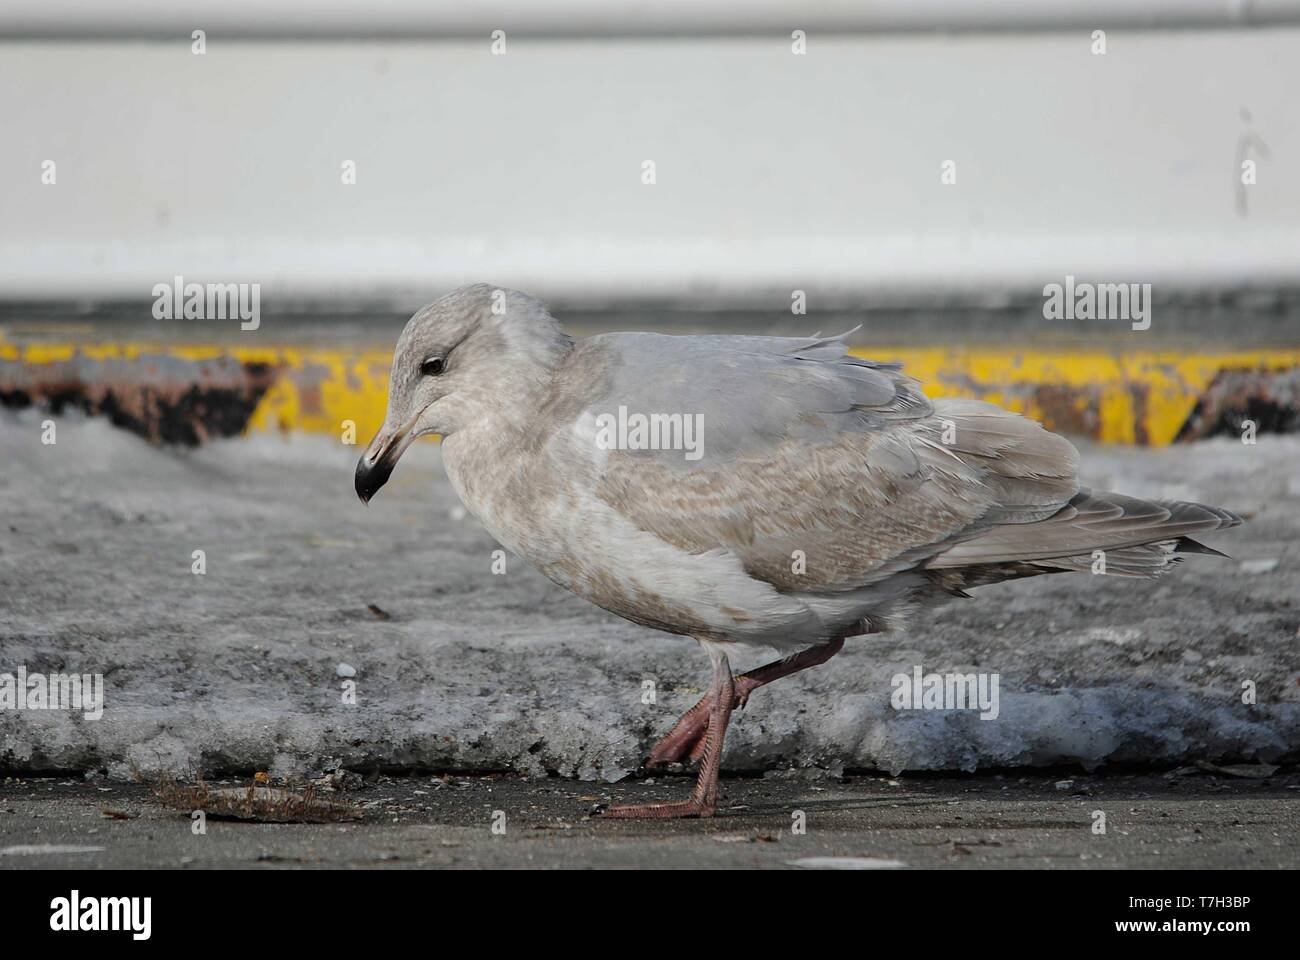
x=774, y=171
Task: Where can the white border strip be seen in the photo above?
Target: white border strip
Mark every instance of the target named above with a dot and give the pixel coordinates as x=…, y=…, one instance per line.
x=94, y=19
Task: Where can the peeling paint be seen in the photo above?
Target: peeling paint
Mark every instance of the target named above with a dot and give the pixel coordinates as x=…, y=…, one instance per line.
x=163, y=398
x=1133, y=397
x=1268, y=398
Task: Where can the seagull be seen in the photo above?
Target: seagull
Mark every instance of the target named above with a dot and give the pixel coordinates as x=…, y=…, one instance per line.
x=745, y=490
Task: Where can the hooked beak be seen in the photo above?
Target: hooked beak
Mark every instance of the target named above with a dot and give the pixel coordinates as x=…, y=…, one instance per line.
x=377, y=463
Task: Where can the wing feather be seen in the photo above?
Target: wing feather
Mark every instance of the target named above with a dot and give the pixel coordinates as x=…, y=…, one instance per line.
x=823, y=472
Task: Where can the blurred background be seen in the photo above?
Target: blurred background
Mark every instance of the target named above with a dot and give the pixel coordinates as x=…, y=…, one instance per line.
x=923, y=168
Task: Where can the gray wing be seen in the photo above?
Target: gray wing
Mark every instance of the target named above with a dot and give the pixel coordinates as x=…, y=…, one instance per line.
x=754, y=391
x=820, y=471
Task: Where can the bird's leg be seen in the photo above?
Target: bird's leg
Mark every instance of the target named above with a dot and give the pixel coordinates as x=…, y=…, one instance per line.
x=704, y=797
x=686, y=738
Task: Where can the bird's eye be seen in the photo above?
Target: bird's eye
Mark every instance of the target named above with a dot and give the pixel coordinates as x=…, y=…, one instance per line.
x=432, y=367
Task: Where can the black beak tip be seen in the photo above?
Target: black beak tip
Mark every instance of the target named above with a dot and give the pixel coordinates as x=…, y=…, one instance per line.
x=369, y=478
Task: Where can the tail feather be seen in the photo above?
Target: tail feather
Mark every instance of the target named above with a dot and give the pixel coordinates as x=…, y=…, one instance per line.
x=1140, y=538
x=1188, y=545
x=1148, y=560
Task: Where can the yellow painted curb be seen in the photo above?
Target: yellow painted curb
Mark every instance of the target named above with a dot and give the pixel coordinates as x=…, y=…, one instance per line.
x=1116, y=397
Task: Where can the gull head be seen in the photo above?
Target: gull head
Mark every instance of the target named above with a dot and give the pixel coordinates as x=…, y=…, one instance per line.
x=469, y=356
